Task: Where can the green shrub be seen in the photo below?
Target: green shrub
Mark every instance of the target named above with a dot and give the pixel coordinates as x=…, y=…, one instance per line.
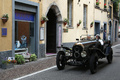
x=33, y=57
x=20, y=59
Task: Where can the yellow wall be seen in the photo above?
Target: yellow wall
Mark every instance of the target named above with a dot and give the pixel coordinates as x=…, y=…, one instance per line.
x=77, y=15
x=6, y=42
x=35, y=0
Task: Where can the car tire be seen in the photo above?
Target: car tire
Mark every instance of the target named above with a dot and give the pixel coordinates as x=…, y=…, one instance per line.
x=110, y=57
x=93, y=63
x=60, y=60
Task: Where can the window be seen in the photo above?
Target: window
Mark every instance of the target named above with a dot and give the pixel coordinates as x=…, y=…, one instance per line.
x=70, y=12
x=110, y=10
x=85, y=16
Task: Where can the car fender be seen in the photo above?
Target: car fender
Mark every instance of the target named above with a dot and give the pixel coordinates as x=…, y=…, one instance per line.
x=98, y=51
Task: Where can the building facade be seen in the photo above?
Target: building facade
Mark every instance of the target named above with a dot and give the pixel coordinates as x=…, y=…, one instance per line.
x=25, y=31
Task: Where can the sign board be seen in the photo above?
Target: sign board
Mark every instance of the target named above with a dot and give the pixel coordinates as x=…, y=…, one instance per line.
x=42, y=33
x=60, y=35
x=24, y=16
x=65, y=30
x=4, y=31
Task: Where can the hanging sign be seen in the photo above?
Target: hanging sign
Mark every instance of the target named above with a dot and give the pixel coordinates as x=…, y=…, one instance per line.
x=42, y=33
x=60, y=35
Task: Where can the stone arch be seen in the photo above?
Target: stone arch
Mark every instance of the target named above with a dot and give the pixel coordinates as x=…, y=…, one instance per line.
x=58, y=26
x=57, y=11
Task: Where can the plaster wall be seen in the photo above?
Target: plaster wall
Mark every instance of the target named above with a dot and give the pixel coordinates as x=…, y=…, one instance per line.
x=6, y=41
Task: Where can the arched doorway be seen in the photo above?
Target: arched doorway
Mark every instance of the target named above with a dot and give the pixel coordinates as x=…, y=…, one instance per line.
x=53, y=30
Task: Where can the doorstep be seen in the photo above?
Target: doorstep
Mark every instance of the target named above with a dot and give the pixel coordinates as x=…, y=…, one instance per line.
x=27, y=68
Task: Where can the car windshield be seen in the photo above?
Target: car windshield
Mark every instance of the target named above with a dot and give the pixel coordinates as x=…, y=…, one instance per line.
x=87, y=37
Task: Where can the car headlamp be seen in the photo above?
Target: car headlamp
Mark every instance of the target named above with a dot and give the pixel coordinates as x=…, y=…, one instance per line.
x=67, y=53
x=83, y=54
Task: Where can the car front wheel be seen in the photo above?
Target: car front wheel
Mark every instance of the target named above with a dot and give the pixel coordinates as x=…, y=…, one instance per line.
x=93, y=63
x=60, y=60
x=110, y=57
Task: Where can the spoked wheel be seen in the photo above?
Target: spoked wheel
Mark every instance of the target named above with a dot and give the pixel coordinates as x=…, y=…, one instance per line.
x=110, y=57
x=60, y=60
x=93, y=63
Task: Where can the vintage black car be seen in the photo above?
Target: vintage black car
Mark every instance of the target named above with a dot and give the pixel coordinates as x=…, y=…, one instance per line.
x=85, y=52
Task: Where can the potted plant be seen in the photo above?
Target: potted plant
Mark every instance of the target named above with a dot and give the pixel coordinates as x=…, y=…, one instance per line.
x=5, y=18
x=78, y=24
x=26, y=56
x=91, y=24
x=105, y=6
x=33, y=57
x=66, y=21
x=20, y=59
x=44, y=19
x=8, y=64
x=97, y=2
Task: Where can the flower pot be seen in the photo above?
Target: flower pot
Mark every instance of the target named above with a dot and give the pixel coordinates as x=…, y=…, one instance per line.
x=91, y=26
x=78, y=25
x=4, y=20
x=42, y=22
x=65, y=23
x=6, y=66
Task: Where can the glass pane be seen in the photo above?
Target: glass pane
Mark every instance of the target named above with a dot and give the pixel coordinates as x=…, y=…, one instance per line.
x=24, y=37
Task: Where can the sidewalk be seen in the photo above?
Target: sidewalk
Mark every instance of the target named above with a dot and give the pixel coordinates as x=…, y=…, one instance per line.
x=118, y=42
x=27, y=68
x=116, y=48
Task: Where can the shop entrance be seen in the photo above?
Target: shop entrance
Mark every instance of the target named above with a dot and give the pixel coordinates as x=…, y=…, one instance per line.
x=24, y=33
x=51, y=32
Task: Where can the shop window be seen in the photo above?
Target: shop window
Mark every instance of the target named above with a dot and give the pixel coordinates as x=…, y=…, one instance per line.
x=70, y=12
x=24, y=37
x=84, y=16
x=24, y=32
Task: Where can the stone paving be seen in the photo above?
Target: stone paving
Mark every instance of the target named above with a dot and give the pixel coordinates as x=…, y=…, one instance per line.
x=27, y=68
